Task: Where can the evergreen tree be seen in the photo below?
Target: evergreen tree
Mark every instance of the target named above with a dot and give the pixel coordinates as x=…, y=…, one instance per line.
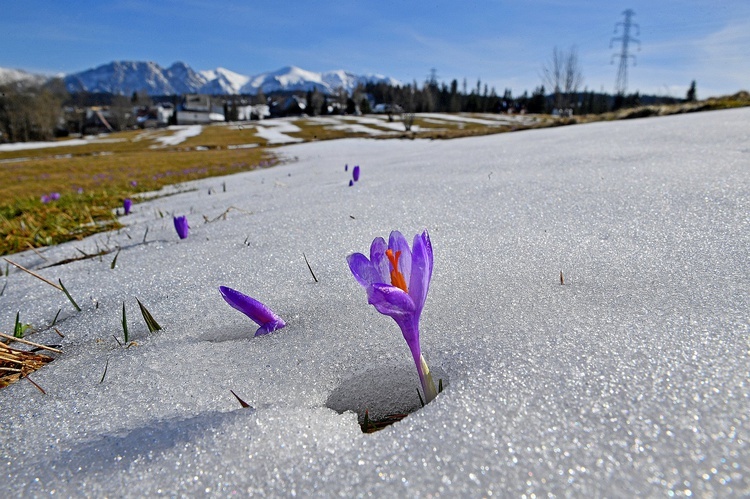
x=538, y=102
x=691, y=95
x=364, y=106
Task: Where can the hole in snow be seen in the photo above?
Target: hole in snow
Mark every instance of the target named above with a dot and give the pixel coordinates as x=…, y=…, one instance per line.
x=385, y=392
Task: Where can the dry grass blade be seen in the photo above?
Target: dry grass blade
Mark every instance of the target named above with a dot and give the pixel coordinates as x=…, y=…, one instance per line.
x=30, y=343
x=35, y=385
x=226, y=212
x=34, y=274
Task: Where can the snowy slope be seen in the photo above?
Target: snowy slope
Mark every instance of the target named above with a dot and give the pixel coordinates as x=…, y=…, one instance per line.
x=629, y=380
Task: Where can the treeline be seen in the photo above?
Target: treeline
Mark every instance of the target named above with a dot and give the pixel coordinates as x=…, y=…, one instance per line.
x=30, y=112
x=443, y=98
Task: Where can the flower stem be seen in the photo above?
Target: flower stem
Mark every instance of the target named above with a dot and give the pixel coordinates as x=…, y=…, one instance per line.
x=428, y=386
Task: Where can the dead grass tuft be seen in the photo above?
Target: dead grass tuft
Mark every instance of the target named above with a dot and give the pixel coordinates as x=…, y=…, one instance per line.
x=16, y=363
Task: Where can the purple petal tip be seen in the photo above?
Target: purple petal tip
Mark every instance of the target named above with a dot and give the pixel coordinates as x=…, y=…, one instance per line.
x=181, y=226
x=255, y=310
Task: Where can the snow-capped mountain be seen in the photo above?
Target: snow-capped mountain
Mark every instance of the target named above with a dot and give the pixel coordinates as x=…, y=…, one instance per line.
x=122, y=77
x=8, y=76
x=222, y=81
x=184, y=79
x=126, y=77
x=289, y=78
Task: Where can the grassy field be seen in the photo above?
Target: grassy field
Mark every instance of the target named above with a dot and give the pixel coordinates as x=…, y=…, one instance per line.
x=93, y=179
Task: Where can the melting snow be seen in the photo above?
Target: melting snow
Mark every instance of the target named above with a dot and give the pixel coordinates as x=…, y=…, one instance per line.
x=631, y=379
x=275, y=131
x=180, y=135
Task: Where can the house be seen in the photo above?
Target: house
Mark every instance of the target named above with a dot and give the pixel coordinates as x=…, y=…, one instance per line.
x=154, y=116
x=293, y=105
x=199, y=110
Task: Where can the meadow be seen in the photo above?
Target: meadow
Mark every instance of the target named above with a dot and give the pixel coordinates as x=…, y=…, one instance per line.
x=93, y=179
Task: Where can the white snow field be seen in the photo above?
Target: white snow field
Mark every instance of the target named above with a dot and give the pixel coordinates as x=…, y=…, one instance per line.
x=631, y=379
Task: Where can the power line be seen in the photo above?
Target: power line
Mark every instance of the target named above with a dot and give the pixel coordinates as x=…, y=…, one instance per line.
x=621, y=84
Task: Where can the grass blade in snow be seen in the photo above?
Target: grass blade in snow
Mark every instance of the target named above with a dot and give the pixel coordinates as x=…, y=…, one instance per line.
x=68, y=295
x=150, y=322
x=114, y=261
x=125, y=322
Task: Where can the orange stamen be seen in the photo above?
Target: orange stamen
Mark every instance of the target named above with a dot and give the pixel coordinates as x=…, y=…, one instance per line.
x=397, y=278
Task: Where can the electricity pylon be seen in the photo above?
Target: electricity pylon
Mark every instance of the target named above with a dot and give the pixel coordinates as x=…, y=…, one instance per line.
x=621, y=85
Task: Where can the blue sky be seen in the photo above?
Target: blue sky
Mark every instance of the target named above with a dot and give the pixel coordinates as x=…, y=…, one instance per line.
x=502, y=43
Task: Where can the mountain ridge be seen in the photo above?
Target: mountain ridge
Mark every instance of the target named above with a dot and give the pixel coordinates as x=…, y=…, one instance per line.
x=128, y=76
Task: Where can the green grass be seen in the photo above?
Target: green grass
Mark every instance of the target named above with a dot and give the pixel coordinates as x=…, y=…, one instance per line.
x=94, y=179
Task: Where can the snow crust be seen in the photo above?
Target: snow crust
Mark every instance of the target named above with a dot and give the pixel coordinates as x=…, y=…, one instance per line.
x=631, y=379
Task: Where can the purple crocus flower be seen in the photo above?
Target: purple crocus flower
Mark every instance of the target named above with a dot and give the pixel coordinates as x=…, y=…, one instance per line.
x=182, y=227
x=355, y=173
x=126, y=205
x=346, y=167
x=258, y=312
x=45, y=198
x=397, y=279
x=54, y=196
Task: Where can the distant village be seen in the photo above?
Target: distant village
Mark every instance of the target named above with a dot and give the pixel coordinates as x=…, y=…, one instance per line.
x=195, y=109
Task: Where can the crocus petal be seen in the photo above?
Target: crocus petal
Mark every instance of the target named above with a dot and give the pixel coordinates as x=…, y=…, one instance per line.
x=379, y=260
x=421, y=269
x=181, y=226
x=363, y=270
x=127, y=204
x=397, y=242
x=269, y=327
x=257, y=311
x=355, y=173
x=390, y=300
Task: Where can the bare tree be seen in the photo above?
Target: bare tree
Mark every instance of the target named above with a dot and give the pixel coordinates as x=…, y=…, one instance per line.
x=563, y=74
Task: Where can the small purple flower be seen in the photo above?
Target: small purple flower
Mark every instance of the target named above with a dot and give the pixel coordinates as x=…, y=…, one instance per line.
x=133, y=183
x=351, y=183
x=181, y=226
x=397, y=279
x=126, y=205
x=45, y=198
x=258, y=312
x=54, y=196
x=346, y=167
x=355, y=173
